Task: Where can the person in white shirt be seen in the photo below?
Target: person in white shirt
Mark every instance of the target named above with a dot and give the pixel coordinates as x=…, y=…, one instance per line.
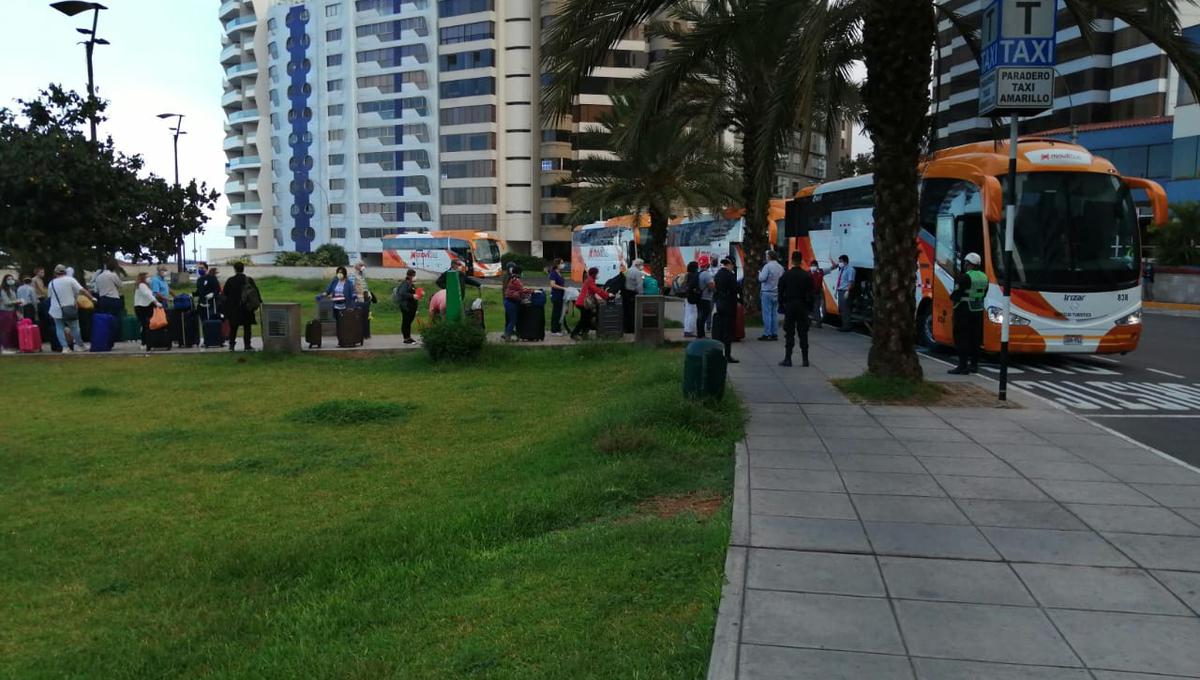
x=768, y=278
x=144, y=302
x=845, y=292
x=633, y=288
x=108, y=289
x=63, y=290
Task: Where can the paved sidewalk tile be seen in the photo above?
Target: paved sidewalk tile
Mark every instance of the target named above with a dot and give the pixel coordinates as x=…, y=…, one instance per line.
x=1185, y=585
x=869, y=432
x=892, y=484
x=969, y=467
x=915, y=421
x=1134, y=519
x=1100, y=493
x=1020, y=438
x=1038, y=454
x=1121, y=590
x=947, y=449
x=781, y=479
x=788, y=459
x=834, y=535
x=784, y=443
x=1162, y=473
x=1019, y=514
x=1160, y=552
x=909, y=434
x=953, y=581
x=802, y=504
x=1172, y=495
x=920, y=509
x=1083, y=472
x=814, y=572
x=981, y=632
x=991, y=488
x=861, y=624
x=1138, y=643
x=945, y=669
x=865, y=463
x=929, y=540
x=773, y=663
x=1055, y=547
x=845, y=443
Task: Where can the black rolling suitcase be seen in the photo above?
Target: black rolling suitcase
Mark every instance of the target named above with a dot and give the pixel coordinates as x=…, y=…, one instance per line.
x=365, y=308
x=211, y=328
x=610, y=321
x=158, y=339
x=184, y=327
x=350, y=328
x=531, y=322
x=313, y=333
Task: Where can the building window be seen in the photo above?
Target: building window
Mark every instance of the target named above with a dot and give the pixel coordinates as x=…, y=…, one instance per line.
x=274, y=73
x=275, y=121
x=478, y=222
x=337, y=184
x=479, y=141
x=337, y=159
x=334, y=85
x=470, y=87
x=336, y=109
x=332, y=10
x=333, y=35
x=460, y=61
x=337, y=232
x=468, y=115
x=461, y=169
x=272, y=24
x=469, y=196
x=337, y=208
x=337, y=135
x=453, y=8
x=481, y=30
x=333, y=60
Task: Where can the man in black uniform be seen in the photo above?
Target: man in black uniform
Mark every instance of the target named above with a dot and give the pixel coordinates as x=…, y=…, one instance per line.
x=795, y=299
x=726, y=296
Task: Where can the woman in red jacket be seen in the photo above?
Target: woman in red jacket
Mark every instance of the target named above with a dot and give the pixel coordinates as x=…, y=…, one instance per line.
x=588, y=303
x=515, y=293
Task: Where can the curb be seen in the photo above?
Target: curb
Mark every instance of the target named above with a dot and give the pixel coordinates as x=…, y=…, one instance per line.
x=727, y=633
x=1177, y=306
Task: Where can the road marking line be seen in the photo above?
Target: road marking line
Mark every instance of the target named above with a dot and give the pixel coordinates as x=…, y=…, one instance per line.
x=1168, y=373
x=1141, y=415
x=1099, y=358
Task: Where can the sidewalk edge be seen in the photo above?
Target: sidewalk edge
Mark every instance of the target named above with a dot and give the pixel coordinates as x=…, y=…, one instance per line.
x=722, y=661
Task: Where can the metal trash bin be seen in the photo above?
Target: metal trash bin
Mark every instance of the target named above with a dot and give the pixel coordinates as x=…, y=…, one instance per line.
x=280, y=323
x=325, y=315
x=704, y=370
x=648, y=325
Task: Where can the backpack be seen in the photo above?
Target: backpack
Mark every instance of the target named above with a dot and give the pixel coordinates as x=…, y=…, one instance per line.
x=251, y=298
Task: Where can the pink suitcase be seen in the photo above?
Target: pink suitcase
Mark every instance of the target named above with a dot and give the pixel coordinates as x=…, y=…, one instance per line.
x=29, y=337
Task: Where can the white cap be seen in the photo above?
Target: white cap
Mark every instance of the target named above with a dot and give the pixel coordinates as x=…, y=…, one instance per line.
x=973, y=258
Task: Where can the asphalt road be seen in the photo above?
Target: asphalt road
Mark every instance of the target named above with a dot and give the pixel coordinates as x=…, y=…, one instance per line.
x=1151, y=395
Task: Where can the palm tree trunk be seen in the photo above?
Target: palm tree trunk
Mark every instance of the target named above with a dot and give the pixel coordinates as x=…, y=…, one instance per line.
x=755, y=237
x=897, y=36
x=657, y=255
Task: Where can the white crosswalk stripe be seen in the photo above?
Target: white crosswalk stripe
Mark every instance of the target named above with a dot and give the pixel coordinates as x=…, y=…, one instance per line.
x=1096, y=395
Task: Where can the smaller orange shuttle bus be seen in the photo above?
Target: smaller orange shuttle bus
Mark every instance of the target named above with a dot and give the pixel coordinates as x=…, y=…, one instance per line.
x=433, y=251
x=1077, y=244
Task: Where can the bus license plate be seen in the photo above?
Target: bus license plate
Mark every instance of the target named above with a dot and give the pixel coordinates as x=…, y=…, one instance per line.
x=1072, y=339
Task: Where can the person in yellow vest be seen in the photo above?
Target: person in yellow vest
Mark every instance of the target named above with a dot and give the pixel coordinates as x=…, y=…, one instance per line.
x=970, y=288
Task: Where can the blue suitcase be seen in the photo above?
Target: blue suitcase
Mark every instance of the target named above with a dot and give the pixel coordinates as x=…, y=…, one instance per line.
x=105, y=331
x=182, y=302
x=214, y=334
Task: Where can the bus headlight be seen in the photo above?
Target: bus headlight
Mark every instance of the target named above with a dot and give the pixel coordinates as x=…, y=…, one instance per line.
x=996, y=315
x=1132, y=319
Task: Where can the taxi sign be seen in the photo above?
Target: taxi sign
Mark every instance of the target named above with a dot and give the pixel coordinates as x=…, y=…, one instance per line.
x=1016, y=68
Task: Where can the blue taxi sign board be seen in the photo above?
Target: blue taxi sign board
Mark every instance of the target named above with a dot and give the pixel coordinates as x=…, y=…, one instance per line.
x=1016, y=69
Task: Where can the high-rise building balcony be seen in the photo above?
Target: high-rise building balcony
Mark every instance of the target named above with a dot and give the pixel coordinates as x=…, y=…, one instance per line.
x=232, y=97
x=229, y=8
x=241, y=70
x=233, y=142
x=241, y=23
x=239, y=118
x=245, y=208
x=243, y=162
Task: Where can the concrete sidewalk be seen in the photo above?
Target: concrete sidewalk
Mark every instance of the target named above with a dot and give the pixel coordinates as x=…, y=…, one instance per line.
x=939, y=543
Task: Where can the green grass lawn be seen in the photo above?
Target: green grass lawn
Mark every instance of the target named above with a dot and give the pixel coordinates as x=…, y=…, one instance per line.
x=359, y=516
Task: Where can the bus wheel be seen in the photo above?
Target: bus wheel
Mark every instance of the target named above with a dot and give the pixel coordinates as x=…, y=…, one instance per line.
x=925, y=328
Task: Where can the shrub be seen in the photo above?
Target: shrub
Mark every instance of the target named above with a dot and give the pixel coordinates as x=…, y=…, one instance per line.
x=1178, y=242
x=453, y=341
x=291, y=259
x=348, y=412
x=243, y=260
x=330, y=255
x=528, y=263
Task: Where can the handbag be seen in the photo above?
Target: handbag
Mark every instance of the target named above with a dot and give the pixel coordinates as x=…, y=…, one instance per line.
x=84, y=302
x=158, y=319
x=590, y=303
x=69, y=312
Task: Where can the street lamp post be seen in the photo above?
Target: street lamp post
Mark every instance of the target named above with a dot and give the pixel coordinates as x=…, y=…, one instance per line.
x=180, y=254
x=71, y=8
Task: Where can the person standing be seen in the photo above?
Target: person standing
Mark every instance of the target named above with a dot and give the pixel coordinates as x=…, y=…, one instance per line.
x=241, y=293
x=108, y=290
x=10, y=306
x=1147, y=280
x=818, y=279
x=28, y=299
x=704, y=308
x=796, y=293
x=970, y=289
x=341, y=291
x=39, y=284
x=768, y=279
x=588, y=303
x=515, y=294
x=144, y=303
x=558, y=288
x=406, y=299
x=63, y=291
x=845, y=292
x=365, y=296
x=689, y=283
x=159, y=285
x=726, y=296
x=207, y=290
x=633, y=288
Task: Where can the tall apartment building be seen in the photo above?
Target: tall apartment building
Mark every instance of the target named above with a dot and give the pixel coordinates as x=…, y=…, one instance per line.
x=1121, y=76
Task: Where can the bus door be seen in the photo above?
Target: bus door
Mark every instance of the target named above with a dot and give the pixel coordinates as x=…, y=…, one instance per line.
x=959, y=231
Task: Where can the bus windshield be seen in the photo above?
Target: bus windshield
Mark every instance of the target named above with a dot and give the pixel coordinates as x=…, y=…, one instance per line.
x=487, y=251
x=700, y=233
x=1074, y=231
x=601, y=236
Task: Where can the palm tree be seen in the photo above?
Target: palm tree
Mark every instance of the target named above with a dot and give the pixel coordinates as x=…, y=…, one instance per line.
x=898, y=39
x=670, y=165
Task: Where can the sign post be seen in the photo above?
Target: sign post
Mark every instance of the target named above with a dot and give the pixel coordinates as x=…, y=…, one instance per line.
x=1016, y=77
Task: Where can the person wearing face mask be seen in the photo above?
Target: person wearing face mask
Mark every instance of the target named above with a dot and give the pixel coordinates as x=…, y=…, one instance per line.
x=795, y=300
x=845, y=292
x=365, y=297
x=28, y=299
x=9, y=304
x=818, y=279
x=207, y=290
x=159, y=286
x=341, y=291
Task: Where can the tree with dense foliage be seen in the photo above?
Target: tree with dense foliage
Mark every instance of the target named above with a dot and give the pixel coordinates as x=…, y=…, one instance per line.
x=1178, y=241
x=861, y=164
x=669, y=165
x=898, y=39
x=66, y=199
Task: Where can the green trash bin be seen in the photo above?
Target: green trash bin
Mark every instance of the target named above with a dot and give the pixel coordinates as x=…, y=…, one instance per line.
x=704, y=370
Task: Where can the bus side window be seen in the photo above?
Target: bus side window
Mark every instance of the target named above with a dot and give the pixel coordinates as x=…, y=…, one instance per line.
x=970, y=234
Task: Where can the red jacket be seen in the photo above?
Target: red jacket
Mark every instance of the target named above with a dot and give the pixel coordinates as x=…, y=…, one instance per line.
x=590, y=288
x=515, y=290
x=818, y=277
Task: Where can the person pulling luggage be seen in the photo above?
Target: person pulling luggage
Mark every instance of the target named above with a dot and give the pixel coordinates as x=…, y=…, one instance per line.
x=727, y=294
x=515, y=294
x=970, y=288
x=796, y=292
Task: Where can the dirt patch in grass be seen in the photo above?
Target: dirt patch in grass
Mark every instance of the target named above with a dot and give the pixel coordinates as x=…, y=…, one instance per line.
x=348, y=412
x=871, y=390
x=624, y=439
x=701, y=504
x=93, y=391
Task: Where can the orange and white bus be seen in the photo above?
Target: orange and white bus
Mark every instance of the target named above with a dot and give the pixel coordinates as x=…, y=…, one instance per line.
x=1076, y=258
x=434, y=251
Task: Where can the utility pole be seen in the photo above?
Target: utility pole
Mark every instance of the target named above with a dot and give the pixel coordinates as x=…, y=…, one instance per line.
x=71, y=8
x=180, y=252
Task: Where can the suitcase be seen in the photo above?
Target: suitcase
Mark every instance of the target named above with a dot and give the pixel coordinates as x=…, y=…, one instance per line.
x=29, y=337
x=739, y=324
x=158, y=339
x=104, y=332
x=214, y=335
x=47, y=326
x=531, y=322
x=184, y=327
x=350, y=328
x=182, y=302
x=610, y=321
x=475, y=317
x=131, y=328
x=365, y=308
x=313, y=333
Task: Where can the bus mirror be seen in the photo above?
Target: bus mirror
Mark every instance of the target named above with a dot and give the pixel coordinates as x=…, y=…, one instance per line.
x=993, y=200
x=1158, y=197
